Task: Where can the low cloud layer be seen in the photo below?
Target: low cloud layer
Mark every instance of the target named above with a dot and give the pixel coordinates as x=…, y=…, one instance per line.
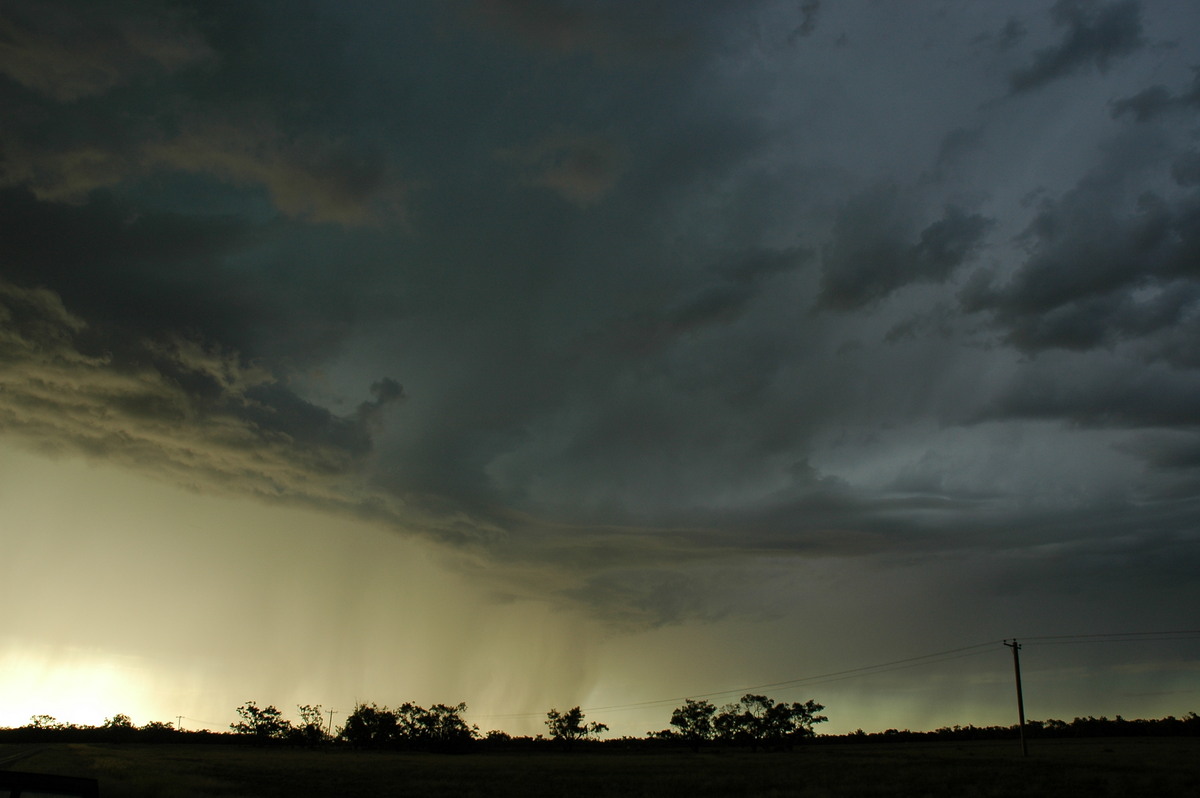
x=180, y=409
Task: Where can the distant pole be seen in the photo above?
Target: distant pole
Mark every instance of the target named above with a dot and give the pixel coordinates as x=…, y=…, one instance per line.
x=179, y=722
x=1015, y=646
x=330, y=729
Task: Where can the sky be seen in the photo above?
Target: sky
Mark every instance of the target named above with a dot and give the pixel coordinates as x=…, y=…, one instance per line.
x=542, y=353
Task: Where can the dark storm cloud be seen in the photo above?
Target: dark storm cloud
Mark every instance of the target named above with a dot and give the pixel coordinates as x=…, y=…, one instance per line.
x=1155, y=101
x=143, y=271
x=134, y=272
x=938, y=321
x=1009, y=36
x=599, y=28
x=809, y=10
x=581, y=168
x=587, y=237
x=99, y=95
x=1174, y=451
x=179, y=409
x=873, y=252
x=1104, y=267
x=744, y=278
x=1096, y=34
x=750, y=267
x=1186, y=169
x=1012, y=34
x=1122, y=396
x=315, y=177
x=70, y=50
x=135, y=328
x=708, y=306
x=956, y=148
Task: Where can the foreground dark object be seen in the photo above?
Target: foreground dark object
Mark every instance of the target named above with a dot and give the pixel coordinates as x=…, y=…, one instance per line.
x=15, y=784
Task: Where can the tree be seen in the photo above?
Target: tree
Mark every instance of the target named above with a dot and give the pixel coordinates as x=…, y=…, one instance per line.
x=758, y=720
x=439, y=727
x=119, y=721
x=311, y=729
x=694, y=721
x=442, y=725
x=569, y=726
x=370, y=726
x=262, y=724
x=45, y=722
x=159, y=730
x=119, y=727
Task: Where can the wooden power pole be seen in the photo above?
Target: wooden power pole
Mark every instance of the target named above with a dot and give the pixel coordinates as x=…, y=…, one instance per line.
x=1016, y=647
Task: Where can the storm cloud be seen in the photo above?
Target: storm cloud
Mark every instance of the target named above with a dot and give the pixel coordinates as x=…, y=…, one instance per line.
x=1096, y=34
x=872, y=254
x=177, y=408
x=668, y=290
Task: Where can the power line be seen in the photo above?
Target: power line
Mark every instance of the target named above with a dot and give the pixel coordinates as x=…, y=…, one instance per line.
x=1117, y=637
x=866, y=670
x=885, y=667
x=810, y=682
x=205, y=723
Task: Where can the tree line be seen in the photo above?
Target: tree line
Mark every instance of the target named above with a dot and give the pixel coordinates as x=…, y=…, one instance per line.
x=1171, y=726
x=755, y=721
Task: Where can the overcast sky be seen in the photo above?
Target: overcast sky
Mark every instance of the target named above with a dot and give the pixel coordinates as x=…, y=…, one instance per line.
x=537, y=353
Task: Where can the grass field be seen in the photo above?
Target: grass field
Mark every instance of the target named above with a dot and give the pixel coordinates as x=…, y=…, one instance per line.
x=1096, y=767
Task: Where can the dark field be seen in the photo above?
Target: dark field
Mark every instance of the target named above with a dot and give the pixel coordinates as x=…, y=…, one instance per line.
x=1097, y=767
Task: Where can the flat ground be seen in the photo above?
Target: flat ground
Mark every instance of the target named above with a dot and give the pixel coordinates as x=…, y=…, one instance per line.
x=1097, y=767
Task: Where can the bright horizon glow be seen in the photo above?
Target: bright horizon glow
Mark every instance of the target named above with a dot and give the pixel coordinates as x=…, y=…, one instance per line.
x=71, y=685
x=332, y=612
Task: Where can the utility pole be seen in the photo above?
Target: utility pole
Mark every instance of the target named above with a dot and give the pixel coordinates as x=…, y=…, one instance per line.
x=329, y=731
x=179, y=722
x=1015, y=646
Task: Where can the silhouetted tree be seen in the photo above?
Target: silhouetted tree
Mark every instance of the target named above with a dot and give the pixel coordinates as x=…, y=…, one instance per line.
x=119, y=727
x=157, y=731
x=758, y=720
x=370, y=726
x=694, y=722
x=439, y=727
x=311, y=729
x=262, y=724
x=569, y=726
x=45, y=722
